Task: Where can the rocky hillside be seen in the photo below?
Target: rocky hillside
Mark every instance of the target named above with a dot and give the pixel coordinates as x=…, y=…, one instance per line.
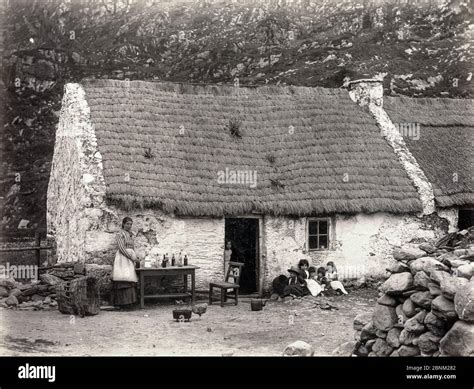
x=423, y=48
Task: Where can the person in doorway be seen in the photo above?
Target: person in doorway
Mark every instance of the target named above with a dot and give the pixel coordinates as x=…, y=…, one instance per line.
x=229, y=256
x=124, y=276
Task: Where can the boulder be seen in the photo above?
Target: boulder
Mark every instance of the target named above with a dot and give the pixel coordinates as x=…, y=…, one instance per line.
x=299, y=349
x=406, y=337
x=398, y=267
x=438, y=276
x=409, y=308
x=397, y=284
x=17, y=293
x=362, y=351
x=408, y=351
x=408, y=253
x=466, y=271
x=415, y=324
x=387, y=300
x=361, y=320
x=462, y=252
x=381, y=348
x=422, y=299
x=444, y=308
x=50, y=279
x=381, y=334
x=427, y=248
x=459, y=340
x=435, y=324
x=464, y=302
x=401, y=317
x=428, y=343
x=393, y=336
x=37, y=297
x=3, y=292
x=369, y=344
x=395, y=354
x=8, y=283
x=368, y=332
x=345, y=350
x=12, y=301
x=31, y=290
x=427, y=264
x=384, y=317
x=434, y=289
x=452, y=260
x=421, y=280
x=450, y=285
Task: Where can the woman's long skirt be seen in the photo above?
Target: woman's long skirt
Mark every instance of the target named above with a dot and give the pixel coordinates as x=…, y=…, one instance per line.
x=123, y=293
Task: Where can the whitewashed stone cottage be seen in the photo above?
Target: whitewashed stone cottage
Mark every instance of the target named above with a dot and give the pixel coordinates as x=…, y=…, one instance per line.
x=283, y=172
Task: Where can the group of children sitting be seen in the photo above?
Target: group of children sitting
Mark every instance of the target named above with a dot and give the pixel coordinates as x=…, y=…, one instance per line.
x=306, y=279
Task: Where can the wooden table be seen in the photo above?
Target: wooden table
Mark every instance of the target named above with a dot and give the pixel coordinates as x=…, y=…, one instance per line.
x=183, y=271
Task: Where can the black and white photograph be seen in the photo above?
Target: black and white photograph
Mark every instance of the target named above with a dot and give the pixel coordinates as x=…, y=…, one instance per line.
x=237, y=178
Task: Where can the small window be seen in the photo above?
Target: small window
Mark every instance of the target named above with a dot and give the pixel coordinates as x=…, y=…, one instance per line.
x=318, y=234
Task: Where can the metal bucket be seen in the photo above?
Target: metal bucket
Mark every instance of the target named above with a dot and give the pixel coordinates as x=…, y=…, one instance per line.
x=257, y=304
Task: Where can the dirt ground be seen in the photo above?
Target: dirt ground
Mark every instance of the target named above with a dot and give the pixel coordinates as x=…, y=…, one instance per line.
x=232, y=330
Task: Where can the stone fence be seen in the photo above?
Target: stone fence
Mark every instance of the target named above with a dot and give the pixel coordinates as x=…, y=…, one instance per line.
x=426, y=306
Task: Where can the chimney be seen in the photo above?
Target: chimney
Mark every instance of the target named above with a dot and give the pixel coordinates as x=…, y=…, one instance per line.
x=367, y=91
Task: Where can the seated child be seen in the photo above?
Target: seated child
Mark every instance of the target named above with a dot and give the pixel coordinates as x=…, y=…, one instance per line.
x=331, y=275
x=303, y=265
x=312, y=284
x=296, y=286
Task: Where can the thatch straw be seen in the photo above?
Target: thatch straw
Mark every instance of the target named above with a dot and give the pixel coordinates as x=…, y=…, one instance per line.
x=329, y=155
x=444, y=149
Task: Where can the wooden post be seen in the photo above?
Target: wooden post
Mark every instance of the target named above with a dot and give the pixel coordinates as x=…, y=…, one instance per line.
x=38, y=250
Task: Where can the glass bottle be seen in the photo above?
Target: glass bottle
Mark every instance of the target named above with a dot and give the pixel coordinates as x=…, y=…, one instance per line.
x=173, y=260
x=180, y=259
x=185, y=260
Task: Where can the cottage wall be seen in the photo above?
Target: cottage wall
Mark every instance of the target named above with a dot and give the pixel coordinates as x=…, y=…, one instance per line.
x=156, y=234
x=361, y=245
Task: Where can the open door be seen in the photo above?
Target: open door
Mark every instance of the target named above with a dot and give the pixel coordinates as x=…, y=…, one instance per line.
x=243, y=233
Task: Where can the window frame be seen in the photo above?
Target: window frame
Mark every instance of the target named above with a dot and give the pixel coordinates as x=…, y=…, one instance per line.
x=329, y=234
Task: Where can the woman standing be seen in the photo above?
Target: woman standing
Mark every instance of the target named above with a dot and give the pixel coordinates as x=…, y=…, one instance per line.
x=124, y=276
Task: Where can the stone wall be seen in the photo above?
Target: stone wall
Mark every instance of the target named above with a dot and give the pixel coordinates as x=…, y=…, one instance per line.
x=426, y=306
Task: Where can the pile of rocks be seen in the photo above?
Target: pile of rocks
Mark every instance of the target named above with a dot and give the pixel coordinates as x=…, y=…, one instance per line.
x=426, y=306
x=42, y=293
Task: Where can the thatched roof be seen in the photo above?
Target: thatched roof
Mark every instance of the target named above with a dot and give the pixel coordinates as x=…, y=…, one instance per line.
x=445, y=147
x=172, y=140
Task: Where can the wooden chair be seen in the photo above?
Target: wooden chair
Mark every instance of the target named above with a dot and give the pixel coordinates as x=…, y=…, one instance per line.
x=234, y=271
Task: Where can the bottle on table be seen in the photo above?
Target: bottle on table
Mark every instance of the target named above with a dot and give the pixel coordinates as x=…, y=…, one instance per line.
x=163, y=262
x=185, y=260
x=180, y=259
x=173, y=260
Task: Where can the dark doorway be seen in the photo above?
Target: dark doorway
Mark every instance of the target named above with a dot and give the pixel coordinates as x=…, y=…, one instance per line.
x=243, y=233
x=466, y=218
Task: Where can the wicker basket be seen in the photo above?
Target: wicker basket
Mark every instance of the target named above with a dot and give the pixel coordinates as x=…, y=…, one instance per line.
x=79, y=296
